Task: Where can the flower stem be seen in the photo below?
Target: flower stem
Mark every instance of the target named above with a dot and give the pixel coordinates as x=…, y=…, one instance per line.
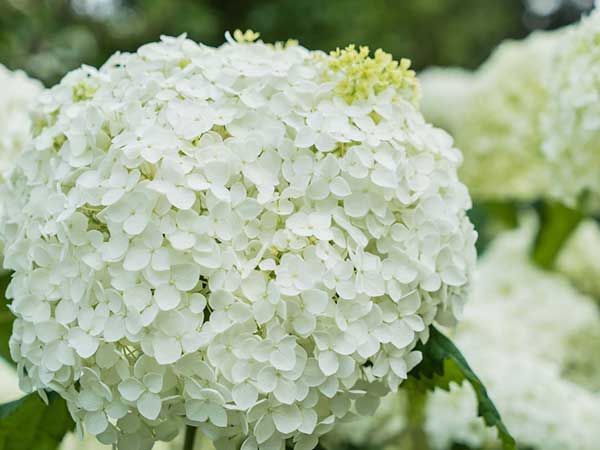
x=190, y=437
x=415, y=437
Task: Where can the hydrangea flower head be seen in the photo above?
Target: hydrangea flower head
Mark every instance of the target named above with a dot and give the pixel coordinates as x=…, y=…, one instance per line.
x=222, y=237
x=570, y=120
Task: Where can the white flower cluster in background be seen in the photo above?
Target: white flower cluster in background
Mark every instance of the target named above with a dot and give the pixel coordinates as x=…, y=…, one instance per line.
x=249, y=239
x=494, y=116
x=579, y=258
x=571, y=119
x=17, y=95
x=521, y=336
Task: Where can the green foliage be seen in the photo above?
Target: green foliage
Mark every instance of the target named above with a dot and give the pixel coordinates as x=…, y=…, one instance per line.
x=6, y=319
x=30, y=424
x=557, y=222
x=47, y=38
x=443, y=364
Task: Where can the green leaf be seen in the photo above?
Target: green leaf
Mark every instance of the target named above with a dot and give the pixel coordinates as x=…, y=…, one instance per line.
x=443, y=364
x=557, y=222
x=30, y=424
x=6, y=318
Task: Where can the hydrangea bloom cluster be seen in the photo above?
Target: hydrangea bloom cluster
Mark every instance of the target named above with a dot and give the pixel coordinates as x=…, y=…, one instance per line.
x=16, y=97
x=494, y=116
x=249, y=239
x=571, y=119
x=529, y=335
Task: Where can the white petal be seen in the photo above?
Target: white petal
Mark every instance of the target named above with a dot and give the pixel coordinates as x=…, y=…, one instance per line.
x=328, y=362
x=181, y=198
x=167, y=350
x=316, y=301
x=136, y=259
x=244, y=395
x=149, y=405
x=167, y=297
x=264, y=429
x=84, y=344
x=340, y=187
x=283, y=359
x=95, y=422
x=136, y=224
x=131, y=389
x=287, y=418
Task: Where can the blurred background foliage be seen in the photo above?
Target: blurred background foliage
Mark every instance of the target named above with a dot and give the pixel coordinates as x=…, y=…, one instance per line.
x=49, y=37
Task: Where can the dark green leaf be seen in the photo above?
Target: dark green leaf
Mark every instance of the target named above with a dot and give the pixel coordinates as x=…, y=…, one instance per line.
x=557, y=222
x=443, y=364
x=6, y=319
x=30, y=424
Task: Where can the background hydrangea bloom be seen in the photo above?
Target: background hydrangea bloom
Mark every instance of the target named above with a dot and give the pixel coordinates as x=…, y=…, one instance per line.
x=16, y=97
x=249, y=239
x=494, y=116
x=571, y=119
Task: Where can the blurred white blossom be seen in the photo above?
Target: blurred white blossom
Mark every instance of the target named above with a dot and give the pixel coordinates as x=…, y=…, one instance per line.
x=445, y=96
x=493, y=114
x=17, y=95
x=571, y=119
x=249, y=239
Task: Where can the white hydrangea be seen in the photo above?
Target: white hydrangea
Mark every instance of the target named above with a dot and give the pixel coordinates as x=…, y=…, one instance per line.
x=493, y=114
x=530, y=336
x=579, y=260
x=571, y=120
x=16, y=97
x=249, y=239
